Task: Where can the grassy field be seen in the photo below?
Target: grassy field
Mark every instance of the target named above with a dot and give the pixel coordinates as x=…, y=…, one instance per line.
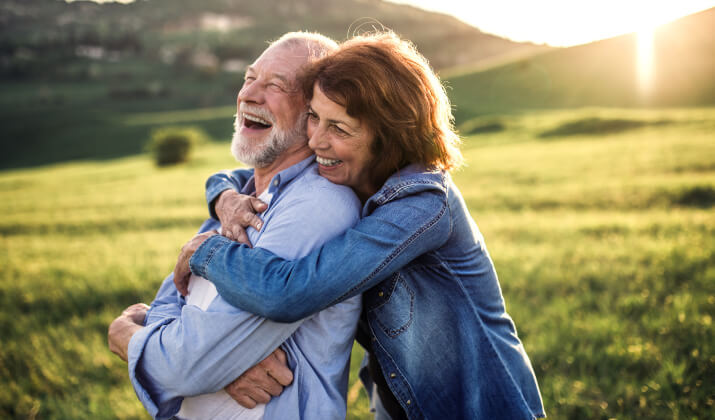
x=599, y=221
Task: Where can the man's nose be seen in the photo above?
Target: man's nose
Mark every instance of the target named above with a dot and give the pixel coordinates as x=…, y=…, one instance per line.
x=251, y=93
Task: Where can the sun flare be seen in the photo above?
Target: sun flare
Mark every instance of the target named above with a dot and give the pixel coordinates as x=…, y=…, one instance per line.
x=645, y=65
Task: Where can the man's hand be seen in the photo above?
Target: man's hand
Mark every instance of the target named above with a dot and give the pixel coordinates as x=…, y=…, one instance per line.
x=259, y=383
x=123, y=328
x=182, y=271
x=236, y=212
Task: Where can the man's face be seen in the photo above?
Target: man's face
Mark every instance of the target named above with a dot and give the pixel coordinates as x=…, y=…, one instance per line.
x=270, y=108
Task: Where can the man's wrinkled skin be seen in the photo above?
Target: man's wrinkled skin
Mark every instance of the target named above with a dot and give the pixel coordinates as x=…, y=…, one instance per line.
x=263, y=381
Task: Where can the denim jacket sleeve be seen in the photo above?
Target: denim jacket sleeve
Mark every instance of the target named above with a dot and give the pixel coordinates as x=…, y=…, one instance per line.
x=396, y=233
x=222, y=181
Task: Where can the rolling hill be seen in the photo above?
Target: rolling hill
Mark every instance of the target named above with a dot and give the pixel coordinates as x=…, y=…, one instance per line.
x=602, y=73
x=75, y=75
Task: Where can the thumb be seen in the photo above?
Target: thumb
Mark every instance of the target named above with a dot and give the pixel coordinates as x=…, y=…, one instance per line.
x=258, y=205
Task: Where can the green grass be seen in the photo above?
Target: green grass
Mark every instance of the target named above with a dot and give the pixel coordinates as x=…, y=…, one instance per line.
x=604, y=244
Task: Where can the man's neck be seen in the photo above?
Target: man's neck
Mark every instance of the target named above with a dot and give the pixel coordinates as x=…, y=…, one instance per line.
x=262, y=176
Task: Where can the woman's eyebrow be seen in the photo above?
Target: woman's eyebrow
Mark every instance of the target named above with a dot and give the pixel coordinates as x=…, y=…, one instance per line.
x=332, y=121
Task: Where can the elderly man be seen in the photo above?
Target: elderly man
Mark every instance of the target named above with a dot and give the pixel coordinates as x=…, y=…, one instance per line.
x=182, y=354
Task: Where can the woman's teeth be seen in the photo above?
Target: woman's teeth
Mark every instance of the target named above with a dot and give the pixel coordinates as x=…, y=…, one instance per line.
x=327, y=162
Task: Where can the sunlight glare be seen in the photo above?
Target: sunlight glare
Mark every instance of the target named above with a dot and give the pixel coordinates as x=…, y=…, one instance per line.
x=645, y=66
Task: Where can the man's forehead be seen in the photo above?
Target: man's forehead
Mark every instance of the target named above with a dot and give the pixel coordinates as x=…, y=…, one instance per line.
x=280, y=61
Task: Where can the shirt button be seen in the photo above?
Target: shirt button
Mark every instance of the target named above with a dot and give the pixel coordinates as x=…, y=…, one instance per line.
x=409, y=402
x=380, y=294
x=275, y=183
x=374, y=338
x=392, y=375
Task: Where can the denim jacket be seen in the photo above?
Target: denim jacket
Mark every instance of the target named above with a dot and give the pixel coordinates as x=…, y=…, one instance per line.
x=433, y=304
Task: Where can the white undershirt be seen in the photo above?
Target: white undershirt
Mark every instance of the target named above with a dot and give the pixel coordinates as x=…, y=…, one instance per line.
x=219, y=405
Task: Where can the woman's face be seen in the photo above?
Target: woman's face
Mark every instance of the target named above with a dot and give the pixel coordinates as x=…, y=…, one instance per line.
x=341, y=144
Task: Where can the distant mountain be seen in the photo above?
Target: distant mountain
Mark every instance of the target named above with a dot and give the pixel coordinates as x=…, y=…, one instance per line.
x=602, y=73
x=219, y=34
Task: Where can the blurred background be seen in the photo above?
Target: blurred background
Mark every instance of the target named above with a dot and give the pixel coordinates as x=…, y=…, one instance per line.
x=589, y=137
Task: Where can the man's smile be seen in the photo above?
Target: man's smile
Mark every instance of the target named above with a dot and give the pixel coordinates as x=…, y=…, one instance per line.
x=254, y=122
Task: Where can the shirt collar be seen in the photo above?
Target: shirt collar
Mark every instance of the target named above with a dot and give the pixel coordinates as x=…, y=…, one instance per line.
x=278, y=181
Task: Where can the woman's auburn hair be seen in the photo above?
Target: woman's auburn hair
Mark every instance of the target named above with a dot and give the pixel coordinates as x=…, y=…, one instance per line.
x=385, y=83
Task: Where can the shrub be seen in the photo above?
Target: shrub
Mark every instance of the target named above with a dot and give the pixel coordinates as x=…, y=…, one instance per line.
x=172, y=145
x=482, y=126
x=598, y=126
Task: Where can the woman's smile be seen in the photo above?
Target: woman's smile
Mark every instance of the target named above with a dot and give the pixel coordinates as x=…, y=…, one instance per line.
x=341, y=144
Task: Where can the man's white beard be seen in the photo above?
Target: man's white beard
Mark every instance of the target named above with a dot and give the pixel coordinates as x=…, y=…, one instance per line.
x=260, y=155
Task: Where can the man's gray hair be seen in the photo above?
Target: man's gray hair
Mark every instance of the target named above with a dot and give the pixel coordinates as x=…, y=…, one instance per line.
x=318, y=45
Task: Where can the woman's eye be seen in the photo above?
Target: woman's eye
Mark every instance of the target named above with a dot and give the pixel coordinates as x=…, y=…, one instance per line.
x=339, y=131
x=312, y=116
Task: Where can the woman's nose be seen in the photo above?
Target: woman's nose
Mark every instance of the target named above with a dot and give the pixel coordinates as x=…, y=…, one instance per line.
x=317, y=140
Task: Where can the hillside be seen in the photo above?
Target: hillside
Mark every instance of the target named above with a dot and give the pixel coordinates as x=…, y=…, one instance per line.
x=602, y=73
x=219, y=32
x=75, y=75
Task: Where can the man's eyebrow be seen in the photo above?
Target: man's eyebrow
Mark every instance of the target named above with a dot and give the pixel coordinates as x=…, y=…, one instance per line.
x=282, y=78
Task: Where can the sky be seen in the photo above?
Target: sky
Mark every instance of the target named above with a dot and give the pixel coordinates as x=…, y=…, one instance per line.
x=563, y=22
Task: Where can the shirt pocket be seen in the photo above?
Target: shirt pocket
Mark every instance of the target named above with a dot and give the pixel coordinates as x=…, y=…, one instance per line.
x=394, y=303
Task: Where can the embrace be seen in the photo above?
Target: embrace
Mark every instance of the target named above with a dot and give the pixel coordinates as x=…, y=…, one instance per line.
x=348, y=227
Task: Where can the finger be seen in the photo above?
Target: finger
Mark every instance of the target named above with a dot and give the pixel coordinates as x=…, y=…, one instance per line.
x=242, y=237
x=280, y=355
x=258, y=205
x=261, y=381
x=258, y=395
x=278, y=369
x=244, y=400
x=254, y=221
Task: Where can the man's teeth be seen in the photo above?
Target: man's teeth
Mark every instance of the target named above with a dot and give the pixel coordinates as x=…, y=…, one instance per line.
x=327, y=162
x=256, y=119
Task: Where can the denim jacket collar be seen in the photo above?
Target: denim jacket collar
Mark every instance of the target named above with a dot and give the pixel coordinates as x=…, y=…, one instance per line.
x=411, y=179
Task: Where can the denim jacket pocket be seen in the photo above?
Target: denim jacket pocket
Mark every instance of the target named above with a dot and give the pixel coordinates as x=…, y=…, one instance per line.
x=394, y=303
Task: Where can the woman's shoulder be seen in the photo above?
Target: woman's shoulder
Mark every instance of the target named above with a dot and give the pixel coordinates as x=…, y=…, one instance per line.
x=412, y=180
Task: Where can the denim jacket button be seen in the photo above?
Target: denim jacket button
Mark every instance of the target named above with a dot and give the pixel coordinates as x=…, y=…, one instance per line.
x=409, y=402
x=380, y=294
x=392, y=375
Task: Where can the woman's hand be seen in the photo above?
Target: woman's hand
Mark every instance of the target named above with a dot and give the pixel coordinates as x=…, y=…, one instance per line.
x=182, y=271
x=260, y=383
x=236, y=212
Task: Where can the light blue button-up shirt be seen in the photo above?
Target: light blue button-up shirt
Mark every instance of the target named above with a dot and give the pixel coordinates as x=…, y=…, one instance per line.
x=184, y=350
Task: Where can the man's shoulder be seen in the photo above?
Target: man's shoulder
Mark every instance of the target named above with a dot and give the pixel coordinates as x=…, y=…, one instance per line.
x=312, y=189
x=309, y=210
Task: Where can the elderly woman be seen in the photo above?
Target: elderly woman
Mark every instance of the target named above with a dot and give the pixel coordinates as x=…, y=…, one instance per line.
x=440, y=342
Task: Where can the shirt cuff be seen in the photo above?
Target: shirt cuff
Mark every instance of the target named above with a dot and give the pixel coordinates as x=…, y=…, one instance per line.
x=199, y=262
x=149, y=395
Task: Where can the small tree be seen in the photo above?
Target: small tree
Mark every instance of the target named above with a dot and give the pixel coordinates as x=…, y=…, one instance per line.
x=172, y=145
